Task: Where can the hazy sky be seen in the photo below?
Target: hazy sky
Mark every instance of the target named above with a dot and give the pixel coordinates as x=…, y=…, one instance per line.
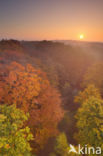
x=51, y=19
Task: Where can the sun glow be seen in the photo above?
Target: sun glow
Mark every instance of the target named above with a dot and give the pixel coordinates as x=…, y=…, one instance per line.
x=81, y=37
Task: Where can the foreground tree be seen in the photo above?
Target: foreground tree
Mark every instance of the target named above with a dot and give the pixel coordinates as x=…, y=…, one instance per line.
x=90, y=121
x=14, y=137
x=31, y=91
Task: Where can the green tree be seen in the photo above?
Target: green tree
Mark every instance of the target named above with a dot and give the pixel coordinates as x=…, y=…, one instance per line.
x=62, y=146
x=91, y=90
x=14, y=136
x=90, y=122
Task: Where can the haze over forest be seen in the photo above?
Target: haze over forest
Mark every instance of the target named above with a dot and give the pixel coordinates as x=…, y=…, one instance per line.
x=60, y=86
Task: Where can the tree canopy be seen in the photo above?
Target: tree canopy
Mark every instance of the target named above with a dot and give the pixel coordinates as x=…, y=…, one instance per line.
x=31, y=91
x=14, y=136
x=90, y=119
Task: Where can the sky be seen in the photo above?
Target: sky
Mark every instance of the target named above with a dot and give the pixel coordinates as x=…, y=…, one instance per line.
x=51, y=19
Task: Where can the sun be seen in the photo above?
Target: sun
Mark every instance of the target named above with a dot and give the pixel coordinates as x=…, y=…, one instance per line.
x=81, y=36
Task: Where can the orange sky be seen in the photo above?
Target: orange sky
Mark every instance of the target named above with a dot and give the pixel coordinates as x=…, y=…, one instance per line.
x=56, y=19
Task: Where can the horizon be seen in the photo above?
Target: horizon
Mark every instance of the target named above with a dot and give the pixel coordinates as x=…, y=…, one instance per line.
x=56, y=40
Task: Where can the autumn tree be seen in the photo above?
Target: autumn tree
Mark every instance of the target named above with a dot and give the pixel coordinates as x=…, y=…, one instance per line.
x=14, y=137
x=90, y=118
x=31, y=91
x=89, y=91
x=20, y=85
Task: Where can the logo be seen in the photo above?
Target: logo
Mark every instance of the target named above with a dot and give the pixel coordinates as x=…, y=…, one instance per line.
x=72, y=149
x=85, y=150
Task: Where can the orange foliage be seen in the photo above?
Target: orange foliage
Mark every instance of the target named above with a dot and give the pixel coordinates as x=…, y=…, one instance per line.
x=31, y=91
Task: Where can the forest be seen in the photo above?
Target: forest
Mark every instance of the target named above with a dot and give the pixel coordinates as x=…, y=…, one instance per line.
x=51, y=97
